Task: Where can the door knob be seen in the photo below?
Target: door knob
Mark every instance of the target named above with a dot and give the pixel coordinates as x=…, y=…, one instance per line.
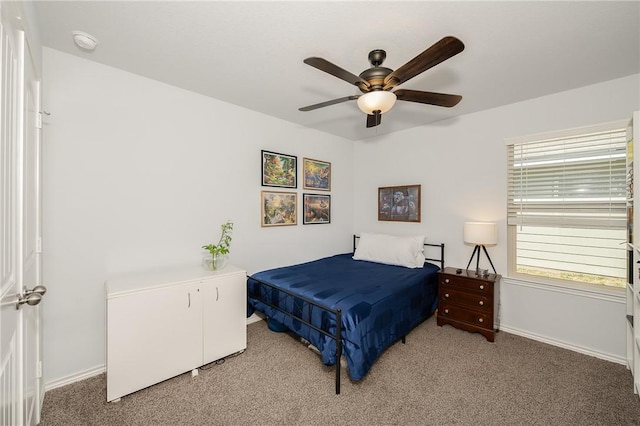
x=31, y=297
x=39, y=289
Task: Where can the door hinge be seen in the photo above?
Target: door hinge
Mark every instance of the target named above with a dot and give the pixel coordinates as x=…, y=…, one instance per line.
x=39, y=115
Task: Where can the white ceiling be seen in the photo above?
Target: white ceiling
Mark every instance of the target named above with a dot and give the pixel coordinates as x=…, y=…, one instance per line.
x=250, y=53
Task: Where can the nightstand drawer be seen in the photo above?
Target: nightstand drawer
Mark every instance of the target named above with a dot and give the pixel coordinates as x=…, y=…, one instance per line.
x=459, y=313
x=466, y=284
x=472, y=300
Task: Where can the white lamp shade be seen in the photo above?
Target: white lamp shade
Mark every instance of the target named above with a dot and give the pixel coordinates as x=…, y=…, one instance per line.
x=378, y=100
x=480, y=233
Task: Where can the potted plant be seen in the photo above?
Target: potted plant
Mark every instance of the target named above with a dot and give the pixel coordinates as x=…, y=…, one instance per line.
x=217, y=257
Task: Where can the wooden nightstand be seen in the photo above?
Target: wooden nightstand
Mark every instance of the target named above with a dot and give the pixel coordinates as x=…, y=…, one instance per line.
x=468, y=301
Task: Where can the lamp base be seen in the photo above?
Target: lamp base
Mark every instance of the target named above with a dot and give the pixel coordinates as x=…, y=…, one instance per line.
x=477, y=250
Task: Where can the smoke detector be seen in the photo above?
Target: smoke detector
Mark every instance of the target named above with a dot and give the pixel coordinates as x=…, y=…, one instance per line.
x=84, y=41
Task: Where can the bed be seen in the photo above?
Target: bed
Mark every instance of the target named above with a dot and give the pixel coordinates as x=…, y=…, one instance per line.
x=348, y=305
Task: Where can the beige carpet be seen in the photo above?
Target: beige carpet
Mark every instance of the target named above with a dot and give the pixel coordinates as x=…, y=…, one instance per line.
x=441, y=376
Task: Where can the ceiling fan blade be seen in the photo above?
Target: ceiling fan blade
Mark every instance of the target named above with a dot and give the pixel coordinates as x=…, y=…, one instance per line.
x=327, y=103
x=431, y=98
x=336, y=71
x=374, y=119
x=439, y=52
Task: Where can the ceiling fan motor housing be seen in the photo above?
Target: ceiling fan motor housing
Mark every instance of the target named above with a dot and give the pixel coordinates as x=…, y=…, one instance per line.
x=376, y=74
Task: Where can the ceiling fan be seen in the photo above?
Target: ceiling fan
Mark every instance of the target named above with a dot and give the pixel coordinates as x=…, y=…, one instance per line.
x=377, y=82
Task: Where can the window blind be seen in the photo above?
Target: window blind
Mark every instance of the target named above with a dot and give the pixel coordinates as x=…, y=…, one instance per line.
x=574, y=180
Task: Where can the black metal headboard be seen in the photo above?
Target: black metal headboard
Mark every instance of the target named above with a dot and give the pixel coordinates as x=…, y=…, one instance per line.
x=438, y=260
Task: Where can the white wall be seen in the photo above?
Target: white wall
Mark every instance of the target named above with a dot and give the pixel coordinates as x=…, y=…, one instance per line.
x=138, y=174
x=462, y=167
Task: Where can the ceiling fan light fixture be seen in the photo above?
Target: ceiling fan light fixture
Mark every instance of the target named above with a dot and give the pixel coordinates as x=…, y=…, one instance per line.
x=377, y=100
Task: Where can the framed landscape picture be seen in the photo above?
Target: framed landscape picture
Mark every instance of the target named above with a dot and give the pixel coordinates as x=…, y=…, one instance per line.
x=317, y=174
x=316, y=208
x=399, y=203
x=278, y=208
x=279, y=170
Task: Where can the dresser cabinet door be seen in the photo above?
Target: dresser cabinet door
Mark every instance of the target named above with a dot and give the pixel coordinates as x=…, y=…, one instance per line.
x=152, y=335
x=224, y=316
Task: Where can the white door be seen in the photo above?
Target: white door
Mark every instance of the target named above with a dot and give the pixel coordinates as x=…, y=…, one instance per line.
x=165, y=339
x=10, y=278
x=20, y=389
x=224, y=317
x=33, y=385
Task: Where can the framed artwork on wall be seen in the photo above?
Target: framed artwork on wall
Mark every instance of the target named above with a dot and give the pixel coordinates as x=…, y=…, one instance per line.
x=316, y=208
x=399, y=203
x=317, y=174
x=278, y=208
x=279, y=170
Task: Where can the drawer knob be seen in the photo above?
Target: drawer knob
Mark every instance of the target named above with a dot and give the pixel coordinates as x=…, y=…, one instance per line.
x=481, y=286
x=480, y=320
x=446, y=311
x=481, y=303
x=446, y=280
x=446, y=295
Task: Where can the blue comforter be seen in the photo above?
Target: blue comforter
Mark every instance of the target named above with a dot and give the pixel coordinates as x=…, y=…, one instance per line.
x=380, y=304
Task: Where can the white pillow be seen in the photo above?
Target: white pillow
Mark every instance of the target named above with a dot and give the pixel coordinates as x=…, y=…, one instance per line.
x=391, y=250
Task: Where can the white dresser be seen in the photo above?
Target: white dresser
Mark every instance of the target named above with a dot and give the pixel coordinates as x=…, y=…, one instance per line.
x=163, y=323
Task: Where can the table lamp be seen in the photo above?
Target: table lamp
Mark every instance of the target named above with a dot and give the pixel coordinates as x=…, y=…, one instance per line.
x=481, y=234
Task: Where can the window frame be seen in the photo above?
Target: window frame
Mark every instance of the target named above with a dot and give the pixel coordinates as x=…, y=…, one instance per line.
x=512, y=273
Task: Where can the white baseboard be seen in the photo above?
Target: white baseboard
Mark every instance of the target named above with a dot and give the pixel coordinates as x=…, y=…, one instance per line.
x=585, y=351
x=82, y=375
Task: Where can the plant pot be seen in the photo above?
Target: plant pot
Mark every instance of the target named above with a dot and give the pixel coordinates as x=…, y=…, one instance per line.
x=214, y=262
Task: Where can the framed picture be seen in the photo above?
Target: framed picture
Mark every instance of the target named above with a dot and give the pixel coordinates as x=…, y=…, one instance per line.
x=279, y=208
x=399, y=203
x=279, y=170
x=317, y=174
x=316, y=208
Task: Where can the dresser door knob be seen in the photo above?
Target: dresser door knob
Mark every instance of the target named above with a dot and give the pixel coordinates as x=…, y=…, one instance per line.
x=481, y=303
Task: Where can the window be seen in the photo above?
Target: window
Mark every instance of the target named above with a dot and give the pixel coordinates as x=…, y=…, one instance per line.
x=567, y=205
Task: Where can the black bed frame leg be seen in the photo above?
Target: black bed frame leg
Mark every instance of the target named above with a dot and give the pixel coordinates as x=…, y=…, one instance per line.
x=338, y=348
x=404, y=339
